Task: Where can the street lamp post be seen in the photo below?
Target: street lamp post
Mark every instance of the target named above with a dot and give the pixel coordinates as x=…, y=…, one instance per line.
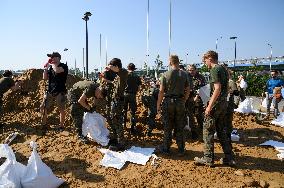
x=234, y=38
x=186, y=58
x=270, y=55
x=86, y=18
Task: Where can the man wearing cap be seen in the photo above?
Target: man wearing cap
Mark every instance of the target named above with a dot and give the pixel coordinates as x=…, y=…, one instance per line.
x=77, y=97
x=7, y=83
x=56, y=74
x=133, y=83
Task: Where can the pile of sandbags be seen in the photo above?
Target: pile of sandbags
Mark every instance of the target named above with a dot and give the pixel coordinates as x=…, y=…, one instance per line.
x=16, y=175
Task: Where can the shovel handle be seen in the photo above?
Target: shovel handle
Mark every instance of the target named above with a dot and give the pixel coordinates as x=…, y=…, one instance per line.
x=10, y=138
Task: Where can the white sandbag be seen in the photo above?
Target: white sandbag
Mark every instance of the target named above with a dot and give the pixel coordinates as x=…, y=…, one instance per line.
x=245, y=106
x=10, y=171
x=204, y=93
x=243, y=84
x=38, y=174
x=94, y=126
x=279, y=120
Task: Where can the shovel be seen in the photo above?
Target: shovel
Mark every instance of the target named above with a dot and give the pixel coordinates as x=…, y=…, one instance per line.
x=10, y=138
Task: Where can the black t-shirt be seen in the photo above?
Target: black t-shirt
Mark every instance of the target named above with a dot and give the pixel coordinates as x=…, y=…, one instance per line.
x=133, y=82
x=57, y=81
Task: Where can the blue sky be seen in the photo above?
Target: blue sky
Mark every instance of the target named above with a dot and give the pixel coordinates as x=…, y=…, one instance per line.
x=32, y=28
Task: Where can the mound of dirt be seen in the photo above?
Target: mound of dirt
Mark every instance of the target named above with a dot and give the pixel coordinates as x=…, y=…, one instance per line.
x=79, y=164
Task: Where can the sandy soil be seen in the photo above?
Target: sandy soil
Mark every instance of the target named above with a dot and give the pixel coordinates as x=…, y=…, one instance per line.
x=78, y=164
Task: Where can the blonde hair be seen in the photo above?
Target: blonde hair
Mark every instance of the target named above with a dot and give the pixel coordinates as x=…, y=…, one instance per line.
x=174, y=59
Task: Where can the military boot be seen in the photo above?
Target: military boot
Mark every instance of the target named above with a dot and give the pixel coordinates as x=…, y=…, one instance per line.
x=228, y=162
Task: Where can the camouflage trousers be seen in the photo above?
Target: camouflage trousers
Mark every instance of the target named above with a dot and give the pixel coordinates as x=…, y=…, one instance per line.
x=130, y=100
x=212, y=123
x=228, y=120
x=107, y=111
x=116, y=120
x=173, y=113
x=77, y=113
x=151, y=104
x=199, y=113
x=189, y=113
x=195, y=109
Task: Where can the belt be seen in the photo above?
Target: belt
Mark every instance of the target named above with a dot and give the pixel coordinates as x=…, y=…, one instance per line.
x=174, y=96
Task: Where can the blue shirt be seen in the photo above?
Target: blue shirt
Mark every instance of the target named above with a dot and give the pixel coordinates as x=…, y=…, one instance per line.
x=272, y=83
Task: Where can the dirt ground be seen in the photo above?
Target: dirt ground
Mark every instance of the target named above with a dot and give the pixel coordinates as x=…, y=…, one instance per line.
x=78, y=164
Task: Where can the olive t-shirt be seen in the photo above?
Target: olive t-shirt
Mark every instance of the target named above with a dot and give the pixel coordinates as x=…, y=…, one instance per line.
x=219, y=74
x=175, y=82
x=86, y=87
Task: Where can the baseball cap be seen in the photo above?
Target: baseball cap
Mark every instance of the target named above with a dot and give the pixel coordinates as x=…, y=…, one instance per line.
x=54, y=54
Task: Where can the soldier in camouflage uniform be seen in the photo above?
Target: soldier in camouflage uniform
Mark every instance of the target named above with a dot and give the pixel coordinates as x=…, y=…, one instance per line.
x=116, y=121
x=198, y=106
x=77, y=97
x=7, y=83
x=174, y=91
x=215, y=113
x=133, y=84
x=107, y=80
x=149, y=99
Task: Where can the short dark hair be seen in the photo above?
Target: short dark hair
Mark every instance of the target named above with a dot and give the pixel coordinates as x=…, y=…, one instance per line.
x=116, y=62
x=181, y=67
x=7, y=73
x=174, y=59
x=192, y=66
x=131, y=67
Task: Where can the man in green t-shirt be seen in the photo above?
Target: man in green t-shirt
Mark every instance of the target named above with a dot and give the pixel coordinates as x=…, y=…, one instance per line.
x=174, y=91
x=215, y=113
x=77, y=97
x=6, y=83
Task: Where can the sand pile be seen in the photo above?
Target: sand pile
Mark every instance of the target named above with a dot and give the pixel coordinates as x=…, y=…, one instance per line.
x=78, y=164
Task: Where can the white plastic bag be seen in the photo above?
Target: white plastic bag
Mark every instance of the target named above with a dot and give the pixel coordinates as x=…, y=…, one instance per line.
x=245, y=106
x=38, y=174
x=243, y=84
x=265, y=102
x=204, y=93
x=94, y=126
x=10, y=171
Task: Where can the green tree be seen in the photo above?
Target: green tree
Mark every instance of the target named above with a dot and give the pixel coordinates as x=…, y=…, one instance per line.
x=158, y=64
